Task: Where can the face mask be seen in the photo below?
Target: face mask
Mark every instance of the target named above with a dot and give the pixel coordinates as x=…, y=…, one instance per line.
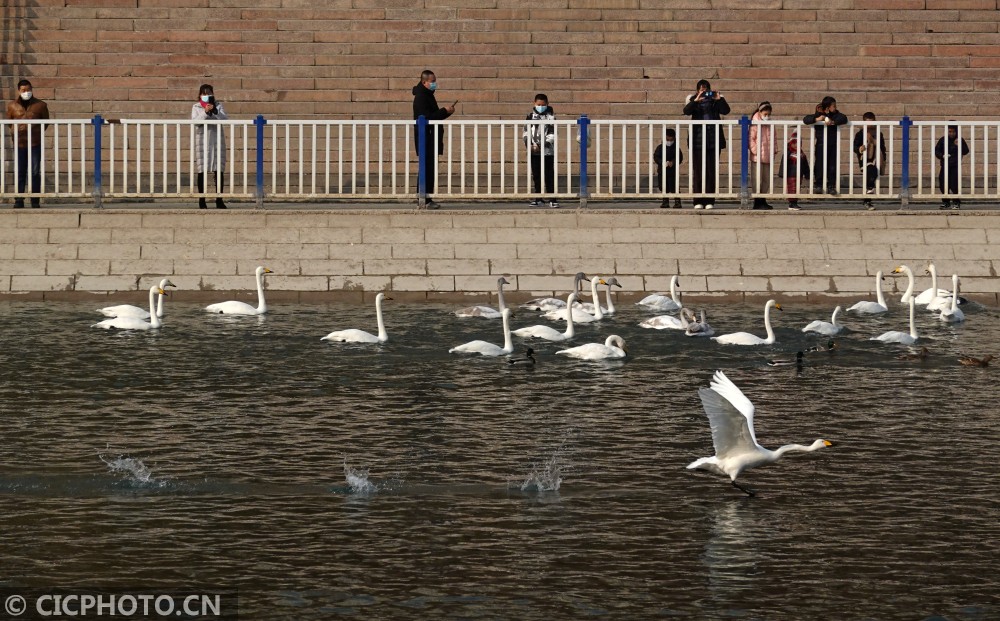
x=26, y=96
x=433, y=86
x=765, y=118
x=206, y=98
x=669, y=143
x=540, y=109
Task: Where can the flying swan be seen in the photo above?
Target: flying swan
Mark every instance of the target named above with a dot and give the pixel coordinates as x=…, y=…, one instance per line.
x=828, y=328
x=134, y=323
x=242, y=308
x=128, y=310
x=487, y=312
x=489, y=349
x=353, y=335
x=613, y=348
x=730, y=415
x=745, y=338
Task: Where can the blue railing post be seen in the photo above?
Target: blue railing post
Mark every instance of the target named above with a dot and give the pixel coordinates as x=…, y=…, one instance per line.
x=583, y=137
x=260, y=122
x=744, y=161
x=422, y=123
x=98, y=193
x=904, y=181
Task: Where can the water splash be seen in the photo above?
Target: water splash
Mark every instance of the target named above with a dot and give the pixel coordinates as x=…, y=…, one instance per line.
x=545, y=478
x=130, y=468
x=357, y=480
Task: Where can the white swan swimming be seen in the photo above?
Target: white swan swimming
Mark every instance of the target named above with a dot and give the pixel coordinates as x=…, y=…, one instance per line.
x=487, y=312
x=953, y=314
x=730, y=414
x=489, y=349
x=242, y=308
x=700, y=327
x=660, y=301
x=352, y=335
x=548, y=333
x=745, y=338
x=128, y=310
x=135, y=323
x=829, y=328
x=579, y=314
x=935, y=299
x=609, y=303
x=613, y=347
x=908, y=294
x=669, y=322
x=549, y=304
x=866, y=307
x=895, y=336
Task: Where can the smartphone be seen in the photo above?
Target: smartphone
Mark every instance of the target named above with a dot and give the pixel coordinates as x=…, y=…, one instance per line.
x=454, y=104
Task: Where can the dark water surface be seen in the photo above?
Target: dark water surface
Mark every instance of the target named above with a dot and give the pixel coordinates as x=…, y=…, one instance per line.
x=399, y=481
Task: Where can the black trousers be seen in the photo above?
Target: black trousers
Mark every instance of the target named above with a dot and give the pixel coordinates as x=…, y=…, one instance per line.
x=538, y=161
x=211, y=173
x=704, y=175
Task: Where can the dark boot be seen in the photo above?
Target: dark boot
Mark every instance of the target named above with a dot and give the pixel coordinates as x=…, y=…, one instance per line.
x=18, y=203
x=219, y=204
x=36, y=203
x=202, y=204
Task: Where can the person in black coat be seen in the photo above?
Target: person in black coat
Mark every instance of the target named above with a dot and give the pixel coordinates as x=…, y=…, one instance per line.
x=706, y=140
x=667, y=161
x=869, y=147
x=826, y=119
x=950, y=156
x=425, y=105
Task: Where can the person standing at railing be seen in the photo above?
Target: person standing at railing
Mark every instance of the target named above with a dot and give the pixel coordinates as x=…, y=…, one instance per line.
x=871, y=156
x=540, y=138
x=28, y=107
x=826, y=120
x=425, y=105
x=668, y=157
x=796, y=167
x=707, y=139
x=950, y=158
x=762, y=150
x=209, y=142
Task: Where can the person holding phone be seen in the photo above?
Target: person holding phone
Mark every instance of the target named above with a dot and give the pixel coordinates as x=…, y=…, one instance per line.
x=209, y=142
x=707, y=139
x=425, y=105
x=825, y=122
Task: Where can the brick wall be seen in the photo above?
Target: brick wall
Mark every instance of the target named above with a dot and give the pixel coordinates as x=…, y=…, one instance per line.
x=606, y=58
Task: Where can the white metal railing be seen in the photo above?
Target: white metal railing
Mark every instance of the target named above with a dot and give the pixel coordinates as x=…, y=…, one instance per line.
x=489, y=159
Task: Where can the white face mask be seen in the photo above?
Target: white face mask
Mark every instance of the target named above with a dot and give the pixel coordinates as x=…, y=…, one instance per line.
x=205, y=98
x=540, y=109
x=669, y=143
x=765, y=117
x=26, y=95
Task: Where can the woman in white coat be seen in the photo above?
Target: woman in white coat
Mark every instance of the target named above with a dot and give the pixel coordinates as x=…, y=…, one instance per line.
x=209, y=142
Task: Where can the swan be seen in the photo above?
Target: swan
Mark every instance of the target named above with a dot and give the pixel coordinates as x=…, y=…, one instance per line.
x=352, y=335
x=609, y=303
x=548, y=304
x=745, y=338
x=489, y=349
x=953, y=314
x=485, y=311
x=242, y=308
x=699, y=328
x=134, y=323
x=827, y=328
x=128, y=310
x=669, y=322
x=903, y=269
x=662, y=302
x=548, y=333
x=895, y=336
x=614, y=347
x=969, y=361
x=933, y=296
x=866, y=307
x=730, y=415
x=579, y=314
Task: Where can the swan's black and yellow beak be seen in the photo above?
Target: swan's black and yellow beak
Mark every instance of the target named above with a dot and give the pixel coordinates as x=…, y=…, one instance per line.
x=162, y=292
x=778, y=306
x=827, y=443
x=267, y=271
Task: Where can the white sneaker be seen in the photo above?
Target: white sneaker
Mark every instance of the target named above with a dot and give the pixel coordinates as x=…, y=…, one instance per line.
x=710, y=206
x=554, y=204
x=698, y=206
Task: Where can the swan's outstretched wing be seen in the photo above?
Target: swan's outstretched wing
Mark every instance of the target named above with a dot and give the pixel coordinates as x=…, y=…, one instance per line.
x=730, y=414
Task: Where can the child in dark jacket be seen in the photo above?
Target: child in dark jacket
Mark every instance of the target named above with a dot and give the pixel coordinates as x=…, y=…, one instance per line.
x=667, y=160
x=950, y=157
x=796, y=167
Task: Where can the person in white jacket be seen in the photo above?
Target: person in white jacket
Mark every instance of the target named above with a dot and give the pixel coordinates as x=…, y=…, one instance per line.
x=210, y=154
x=541, y=141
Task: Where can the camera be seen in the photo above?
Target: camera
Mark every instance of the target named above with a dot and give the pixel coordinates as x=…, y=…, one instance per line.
x=709, y=94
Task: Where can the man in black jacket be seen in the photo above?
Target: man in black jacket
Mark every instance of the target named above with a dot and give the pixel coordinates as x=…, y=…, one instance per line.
x=425, y=105
x=825, y=123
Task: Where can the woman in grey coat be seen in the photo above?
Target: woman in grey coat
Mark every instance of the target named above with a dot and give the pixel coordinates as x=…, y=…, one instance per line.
x=210, y=154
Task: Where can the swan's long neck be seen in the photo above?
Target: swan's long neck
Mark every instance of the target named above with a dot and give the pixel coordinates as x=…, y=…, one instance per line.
x=154, y=321
x=913, y=325
x=909, y=286
x=382, y=335
x=933, y=271
x=954, y=292
x=508, y=344
x=261, y=304
x=159, y=301
x=607, y=297
x=501, y=304
x=570, y=331
x=767, y=324
x=598, y=311
x=833, y=318
x=673, y=290
x=801, y=448
x=878, y=290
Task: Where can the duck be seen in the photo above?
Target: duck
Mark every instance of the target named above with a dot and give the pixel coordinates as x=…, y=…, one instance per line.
x=969, y=361
x=787, y=363
x=661, y=301
x=918, y=355
x=730, y=415
x=487, y=312
x=745, y=338
x=529, y=358
x=828, y=346
x=613, y=348
x=549, y=304
x=242, y=308
x=827, y=328
x=867, y=307
x=352, y=335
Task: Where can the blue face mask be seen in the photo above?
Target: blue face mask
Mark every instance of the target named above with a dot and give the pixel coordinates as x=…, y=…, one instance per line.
x=205, y=98
x=540, y=109
x=433, y=86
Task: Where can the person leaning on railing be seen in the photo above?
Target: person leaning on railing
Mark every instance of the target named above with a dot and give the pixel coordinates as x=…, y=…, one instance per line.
x=211, y=158
x=825, y=122
x=28, y=107
x=425, y=105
